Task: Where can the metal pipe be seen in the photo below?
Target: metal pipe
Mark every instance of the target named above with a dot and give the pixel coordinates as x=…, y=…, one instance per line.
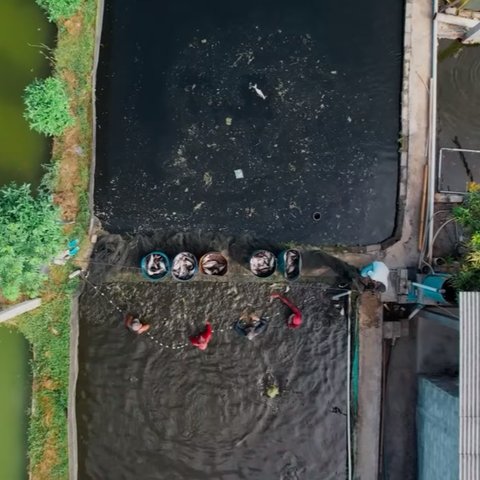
x=433, y=130
x=423, y=209
x=426, y=287
x=349, y=379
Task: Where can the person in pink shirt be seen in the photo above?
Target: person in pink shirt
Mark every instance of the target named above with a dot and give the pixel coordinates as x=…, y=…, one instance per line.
x=295, y=318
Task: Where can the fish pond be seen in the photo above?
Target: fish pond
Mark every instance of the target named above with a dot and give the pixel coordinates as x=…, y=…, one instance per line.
x=152, y=406
x=275, y=118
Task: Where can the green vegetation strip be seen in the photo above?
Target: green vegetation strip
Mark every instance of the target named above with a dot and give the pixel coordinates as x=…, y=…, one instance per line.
x=48, y=331
x=32, y=230
x=468, y=216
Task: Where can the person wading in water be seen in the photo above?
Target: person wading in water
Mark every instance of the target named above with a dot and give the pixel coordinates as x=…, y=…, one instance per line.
x=250, y=325
x=295, y=318
x=135, y=325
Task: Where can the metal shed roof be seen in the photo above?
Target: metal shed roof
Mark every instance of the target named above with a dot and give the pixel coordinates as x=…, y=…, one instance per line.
x=469, y=386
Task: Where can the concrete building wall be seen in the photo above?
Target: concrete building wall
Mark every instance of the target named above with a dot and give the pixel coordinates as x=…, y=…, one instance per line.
x=437, y=428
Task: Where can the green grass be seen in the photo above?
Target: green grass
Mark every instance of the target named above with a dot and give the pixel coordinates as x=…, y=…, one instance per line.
x=58, y=9
x=48, y=331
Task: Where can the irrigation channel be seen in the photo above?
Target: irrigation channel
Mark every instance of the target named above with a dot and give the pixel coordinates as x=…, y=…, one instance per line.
x=24, y=32
x=186, y=138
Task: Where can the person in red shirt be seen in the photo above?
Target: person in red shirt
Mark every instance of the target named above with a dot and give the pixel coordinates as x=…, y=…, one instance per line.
x=203, y=338
x=295, y=318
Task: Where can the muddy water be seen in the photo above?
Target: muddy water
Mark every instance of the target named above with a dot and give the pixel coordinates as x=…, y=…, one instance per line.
x=458, y=107
x=149, y=412
x=183, y=133
x=23, y=30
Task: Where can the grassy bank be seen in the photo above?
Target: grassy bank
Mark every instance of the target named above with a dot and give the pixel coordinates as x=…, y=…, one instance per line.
x=48, y=329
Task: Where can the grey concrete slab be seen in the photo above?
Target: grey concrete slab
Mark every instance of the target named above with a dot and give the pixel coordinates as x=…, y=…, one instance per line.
x=370, y=316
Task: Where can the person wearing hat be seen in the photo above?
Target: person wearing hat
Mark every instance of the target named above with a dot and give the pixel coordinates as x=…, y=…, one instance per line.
x=250, y=325
x=377, y=274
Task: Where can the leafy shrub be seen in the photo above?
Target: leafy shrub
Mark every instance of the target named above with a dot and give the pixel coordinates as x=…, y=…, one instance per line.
x=468, y=215
x=30, y=235
x=57, y=9
x=47, y=106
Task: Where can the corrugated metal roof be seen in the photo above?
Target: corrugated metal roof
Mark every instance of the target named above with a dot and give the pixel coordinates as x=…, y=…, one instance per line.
x=469, y=386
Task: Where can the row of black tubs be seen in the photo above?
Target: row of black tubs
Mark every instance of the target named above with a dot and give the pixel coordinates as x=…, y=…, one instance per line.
x=157, y=265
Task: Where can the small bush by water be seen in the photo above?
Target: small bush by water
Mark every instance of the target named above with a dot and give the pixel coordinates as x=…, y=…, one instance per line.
x=30, y=235
x=468, y=215
x=57, y=9
x=47, y=106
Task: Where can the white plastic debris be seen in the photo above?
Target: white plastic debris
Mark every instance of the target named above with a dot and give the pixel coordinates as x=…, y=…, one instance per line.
x=333, y=72
x=228, y=121
x=74, y=274
x=349, y=119
x=238, y=173
x=255, y=88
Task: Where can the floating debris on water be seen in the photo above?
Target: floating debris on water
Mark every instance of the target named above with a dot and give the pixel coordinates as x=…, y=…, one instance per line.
x=228, y=121
x=262, y=263
x=255, y=88
x=272, y=391
x=238, y=174
x=213, y=263
x=184, y=266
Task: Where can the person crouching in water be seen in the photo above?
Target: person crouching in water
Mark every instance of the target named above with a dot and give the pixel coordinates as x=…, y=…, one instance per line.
x=250, y=325
x=135, y=325
x=295, y=318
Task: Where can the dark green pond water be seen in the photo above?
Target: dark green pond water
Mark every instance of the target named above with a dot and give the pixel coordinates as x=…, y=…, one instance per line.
x=23, y=28
x=14, y=401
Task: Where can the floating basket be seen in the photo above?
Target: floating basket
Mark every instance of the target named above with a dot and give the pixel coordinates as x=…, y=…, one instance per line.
x=290, y=264
x=162, y=261
x=184, y=266
x=214, y=264
x=263, y=263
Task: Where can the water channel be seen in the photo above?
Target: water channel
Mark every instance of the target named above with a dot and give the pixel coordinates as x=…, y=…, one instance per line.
x=23, y=30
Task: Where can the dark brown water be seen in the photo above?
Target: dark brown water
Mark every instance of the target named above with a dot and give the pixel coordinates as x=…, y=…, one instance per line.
x=149, y=412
